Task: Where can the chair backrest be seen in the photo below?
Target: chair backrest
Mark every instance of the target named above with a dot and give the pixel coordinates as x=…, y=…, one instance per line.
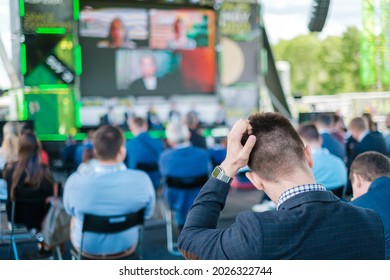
x=147, y=167
x=110, y=224
x=186, y=182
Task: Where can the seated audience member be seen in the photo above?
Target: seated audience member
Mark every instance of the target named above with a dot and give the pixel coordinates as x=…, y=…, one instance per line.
x=30, y=183
x=365, y=140
x=328, y=169
x=174, y=114
x=109, y=117
x=370, y=177
x=196, y=138
x=154, y=122
x=372, y=126
x=183, y=161
x=324, y=125
x=143, y=152
x=218, y=151
x=9, y=146
x=388, y=134
x=89, y=160
x=67, y=155
x=338, y=129
x=110, y=189
x=79, y=149
x=310, y=222
x=362, y=140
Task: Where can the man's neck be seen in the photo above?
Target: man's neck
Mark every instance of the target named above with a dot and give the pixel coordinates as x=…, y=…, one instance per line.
x=314, y=145
x=109, y=162
x=324, y=130
x=275, y=189
x=362, y=135
x=137, y=132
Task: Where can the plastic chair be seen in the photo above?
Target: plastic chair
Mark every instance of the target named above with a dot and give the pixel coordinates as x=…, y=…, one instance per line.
x=109, y=225
x=185, y=185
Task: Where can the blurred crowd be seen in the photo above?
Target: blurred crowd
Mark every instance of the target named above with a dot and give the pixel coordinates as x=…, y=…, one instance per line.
x=105, y=171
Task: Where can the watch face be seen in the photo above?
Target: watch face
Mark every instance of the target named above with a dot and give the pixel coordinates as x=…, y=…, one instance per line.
x=216, y=172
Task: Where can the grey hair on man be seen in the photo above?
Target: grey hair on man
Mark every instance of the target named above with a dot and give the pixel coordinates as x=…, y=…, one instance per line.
x=177, y=133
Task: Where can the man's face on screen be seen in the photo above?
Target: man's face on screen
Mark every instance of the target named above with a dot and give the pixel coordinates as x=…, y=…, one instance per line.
x=148, y=67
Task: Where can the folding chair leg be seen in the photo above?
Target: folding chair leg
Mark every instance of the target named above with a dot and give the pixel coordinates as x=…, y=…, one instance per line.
x=171, y=245
x=13, y=249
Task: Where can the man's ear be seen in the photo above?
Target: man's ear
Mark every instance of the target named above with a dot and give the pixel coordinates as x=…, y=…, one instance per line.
x=122, y=151
x=255, y=180
x=308, y=156
x=357, y=181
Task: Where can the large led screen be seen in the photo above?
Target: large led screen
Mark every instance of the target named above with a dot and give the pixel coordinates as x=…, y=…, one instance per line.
x=134, y=51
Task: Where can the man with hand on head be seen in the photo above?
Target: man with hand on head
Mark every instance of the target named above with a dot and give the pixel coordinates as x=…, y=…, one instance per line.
x=309, y=223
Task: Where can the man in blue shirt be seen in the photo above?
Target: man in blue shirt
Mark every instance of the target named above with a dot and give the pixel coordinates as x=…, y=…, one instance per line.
x=143, y=152
x=370, y=177
x=109, y=189
x=182, y=163
x=328, y=169
x=324, y=124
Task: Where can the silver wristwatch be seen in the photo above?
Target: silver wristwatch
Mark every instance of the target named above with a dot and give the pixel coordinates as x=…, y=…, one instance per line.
x=219, y=174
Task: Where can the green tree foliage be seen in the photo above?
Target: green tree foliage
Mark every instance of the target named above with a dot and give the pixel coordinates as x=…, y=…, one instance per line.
x=325, y=66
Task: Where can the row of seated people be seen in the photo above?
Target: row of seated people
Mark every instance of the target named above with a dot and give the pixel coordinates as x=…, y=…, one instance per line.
x=143, y=151
x=108, y=186
x=181, y=161
x=361, y=136
x=334, y=149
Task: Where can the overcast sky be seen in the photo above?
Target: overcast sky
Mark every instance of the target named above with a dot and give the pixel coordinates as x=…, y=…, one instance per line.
x=284, y=19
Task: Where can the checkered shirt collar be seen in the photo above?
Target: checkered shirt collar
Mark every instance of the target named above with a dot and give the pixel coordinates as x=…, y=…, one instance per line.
x=297, y=190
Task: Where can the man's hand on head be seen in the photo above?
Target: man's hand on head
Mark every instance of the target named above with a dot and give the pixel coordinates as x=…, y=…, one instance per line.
x=237, y=155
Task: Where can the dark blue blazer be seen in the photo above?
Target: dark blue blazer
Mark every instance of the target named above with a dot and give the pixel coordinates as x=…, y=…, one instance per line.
x=373, y=141
x=310, y=225
x=333, y=145
x=378, y=198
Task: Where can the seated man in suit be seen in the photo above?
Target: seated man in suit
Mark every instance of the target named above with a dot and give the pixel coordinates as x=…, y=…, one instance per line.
x=183, y=162
x=370, y=176
x=363, y=140
x=143, y=152
x=324, y=124
x=309, y=223
x=328, y=169
x=109, y=189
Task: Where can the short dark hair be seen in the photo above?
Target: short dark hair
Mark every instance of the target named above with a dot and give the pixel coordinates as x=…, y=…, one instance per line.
x=309, y=132
x=107, y=141
x=278, y=150
x=370, y=165
x=139, y=122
